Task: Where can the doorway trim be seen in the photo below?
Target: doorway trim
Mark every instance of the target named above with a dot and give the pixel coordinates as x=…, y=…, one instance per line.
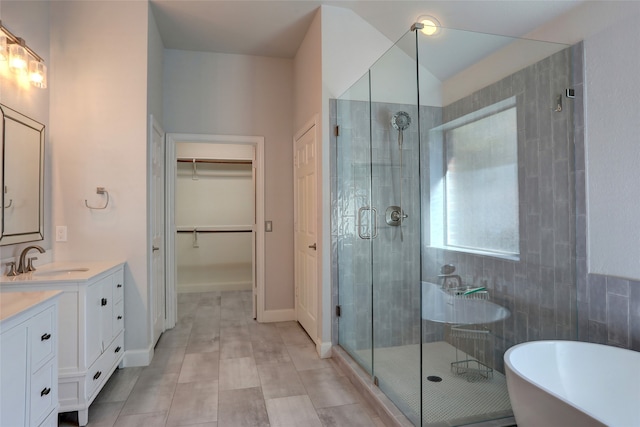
x=172, y=273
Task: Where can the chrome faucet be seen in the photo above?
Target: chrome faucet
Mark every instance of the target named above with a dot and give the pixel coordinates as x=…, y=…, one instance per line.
x=449, y=279
x=24, y=267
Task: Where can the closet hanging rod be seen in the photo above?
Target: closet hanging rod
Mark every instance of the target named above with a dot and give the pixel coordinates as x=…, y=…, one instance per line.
x=221, y=161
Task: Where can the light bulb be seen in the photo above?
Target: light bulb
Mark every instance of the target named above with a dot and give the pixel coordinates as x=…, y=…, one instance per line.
x=431, y=26
x=18, y=59
x=38, y=74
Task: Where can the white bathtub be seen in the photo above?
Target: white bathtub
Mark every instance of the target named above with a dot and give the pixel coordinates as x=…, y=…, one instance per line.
x=570, y=383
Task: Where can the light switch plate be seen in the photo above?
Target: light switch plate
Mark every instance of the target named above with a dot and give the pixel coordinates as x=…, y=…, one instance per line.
x=268, y=226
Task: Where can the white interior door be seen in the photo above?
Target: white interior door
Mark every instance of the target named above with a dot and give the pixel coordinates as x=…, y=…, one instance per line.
x=157, y=225
x=305, y=230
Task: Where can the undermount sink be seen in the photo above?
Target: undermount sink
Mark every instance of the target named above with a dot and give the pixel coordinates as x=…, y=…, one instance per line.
x=60, y=271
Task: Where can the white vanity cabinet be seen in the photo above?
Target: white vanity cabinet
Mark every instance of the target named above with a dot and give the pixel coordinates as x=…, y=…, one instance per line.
x=28, y=359
x=91, y=324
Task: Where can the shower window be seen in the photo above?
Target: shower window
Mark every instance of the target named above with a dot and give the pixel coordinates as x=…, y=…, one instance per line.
x=476, y=192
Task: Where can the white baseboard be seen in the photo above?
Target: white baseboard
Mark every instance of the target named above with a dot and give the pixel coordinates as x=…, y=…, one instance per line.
x=323, y=349
x=279, y=315
x=137, y=358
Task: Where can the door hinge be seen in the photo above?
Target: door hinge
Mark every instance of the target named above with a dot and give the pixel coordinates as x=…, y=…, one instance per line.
x=338, y=310
x=337, y=130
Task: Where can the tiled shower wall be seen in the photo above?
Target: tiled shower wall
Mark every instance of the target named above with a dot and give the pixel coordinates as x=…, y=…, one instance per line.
x=537, y=289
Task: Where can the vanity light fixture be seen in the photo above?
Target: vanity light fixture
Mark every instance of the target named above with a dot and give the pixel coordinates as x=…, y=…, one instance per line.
x=23, y=61
x=430, y=25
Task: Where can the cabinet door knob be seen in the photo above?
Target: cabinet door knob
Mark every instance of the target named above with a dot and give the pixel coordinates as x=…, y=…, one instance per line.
x=104, y=301
x=117, y=350
x=119, y=285
x=97, y=375
x=45, y=337
x=45, y=391
x=119, y=317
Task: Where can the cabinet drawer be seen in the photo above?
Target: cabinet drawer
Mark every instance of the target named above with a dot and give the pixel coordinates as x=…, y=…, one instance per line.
x=116, y=350
x=118, y=317
x=99, y=372
x=118, y=285
x=44, y=393
x=42, y=331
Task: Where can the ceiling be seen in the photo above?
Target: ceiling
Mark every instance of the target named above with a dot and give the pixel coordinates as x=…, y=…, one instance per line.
x=276, y=28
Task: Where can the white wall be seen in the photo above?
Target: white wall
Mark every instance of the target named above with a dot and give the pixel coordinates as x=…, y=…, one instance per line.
x=350, y=45
x=155, y=69
x=98, y=83
x=223, y=94
x=612, y=117
x=612, y=125
x=29, y=20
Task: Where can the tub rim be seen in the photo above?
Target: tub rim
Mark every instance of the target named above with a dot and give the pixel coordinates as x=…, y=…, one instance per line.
x=509, y=365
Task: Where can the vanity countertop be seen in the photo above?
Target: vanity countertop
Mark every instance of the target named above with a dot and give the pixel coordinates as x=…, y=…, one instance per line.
x=63, y=271
x=13, y=303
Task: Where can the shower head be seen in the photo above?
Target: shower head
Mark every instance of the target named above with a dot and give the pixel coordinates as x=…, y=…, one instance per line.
x=401, y=120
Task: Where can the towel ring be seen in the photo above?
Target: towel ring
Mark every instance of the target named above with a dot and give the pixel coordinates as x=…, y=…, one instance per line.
x=99, y=190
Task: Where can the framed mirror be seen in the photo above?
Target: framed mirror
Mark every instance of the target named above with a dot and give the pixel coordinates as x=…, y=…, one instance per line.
x=22, y=178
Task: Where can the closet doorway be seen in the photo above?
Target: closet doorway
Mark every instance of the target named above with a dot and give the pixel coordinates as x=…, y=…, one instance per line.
x=215, y=200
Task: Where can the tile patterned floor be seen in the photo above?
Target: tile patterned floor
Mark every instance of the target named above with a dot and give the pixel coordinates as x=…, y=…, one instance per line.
x=220, y=368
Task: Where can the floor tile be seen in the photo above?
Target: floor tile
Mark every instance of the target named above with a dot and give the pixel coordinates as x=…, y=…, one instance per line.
x=293, y=334
x=292, y=411
x=280, y=380
x=167, y=359
x=238, y=373
x=152, y=393
x=235, y=331
x=265, y=332
x=119, y=386
x=199, y=367
x=347, y=415
x=305, y=357
x=203, y=343
x=174, y=338
x=232, y=348
x=242, y=408
x=153, y=419
x=194, y=402
x=104, y=414
x=327, y=388
x=219, y=367
x=267, y=352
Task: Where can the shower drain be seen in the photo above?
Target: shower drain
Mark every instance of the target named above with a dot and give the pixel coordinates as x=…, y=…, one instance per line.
x=434, y=378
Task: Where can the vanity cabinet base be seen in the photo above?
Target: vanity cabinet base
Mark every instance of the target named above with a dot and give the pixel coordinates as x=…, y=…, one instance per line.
x=91, y=328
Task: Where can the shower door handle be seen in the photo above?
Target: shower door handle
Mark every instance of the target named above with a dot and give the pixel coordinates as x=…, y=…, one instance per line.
x=369, y=235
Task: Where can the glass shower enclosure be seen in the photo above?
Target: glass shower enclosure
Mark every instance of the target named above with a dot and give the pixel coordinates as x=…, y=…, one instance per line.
x=454, y=217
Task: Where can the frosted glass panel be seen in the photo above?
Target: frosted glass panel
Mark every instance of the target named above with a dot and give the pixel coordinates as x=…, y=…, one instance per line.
x=482, y=184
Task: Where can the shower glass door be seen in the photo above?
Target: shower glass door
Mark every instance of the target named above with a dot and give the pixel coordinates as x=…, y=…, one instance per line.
x=395, y=196
x=353, y=225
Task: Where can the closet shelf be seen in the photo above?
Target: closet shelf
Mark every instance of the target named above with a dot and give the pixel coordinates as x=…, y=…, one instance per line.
x=216, y=229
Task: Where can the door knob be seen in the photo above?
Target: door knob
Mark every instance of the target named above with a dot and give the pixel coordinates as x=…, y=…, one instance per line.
x=155, y=248
x=312, y=246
